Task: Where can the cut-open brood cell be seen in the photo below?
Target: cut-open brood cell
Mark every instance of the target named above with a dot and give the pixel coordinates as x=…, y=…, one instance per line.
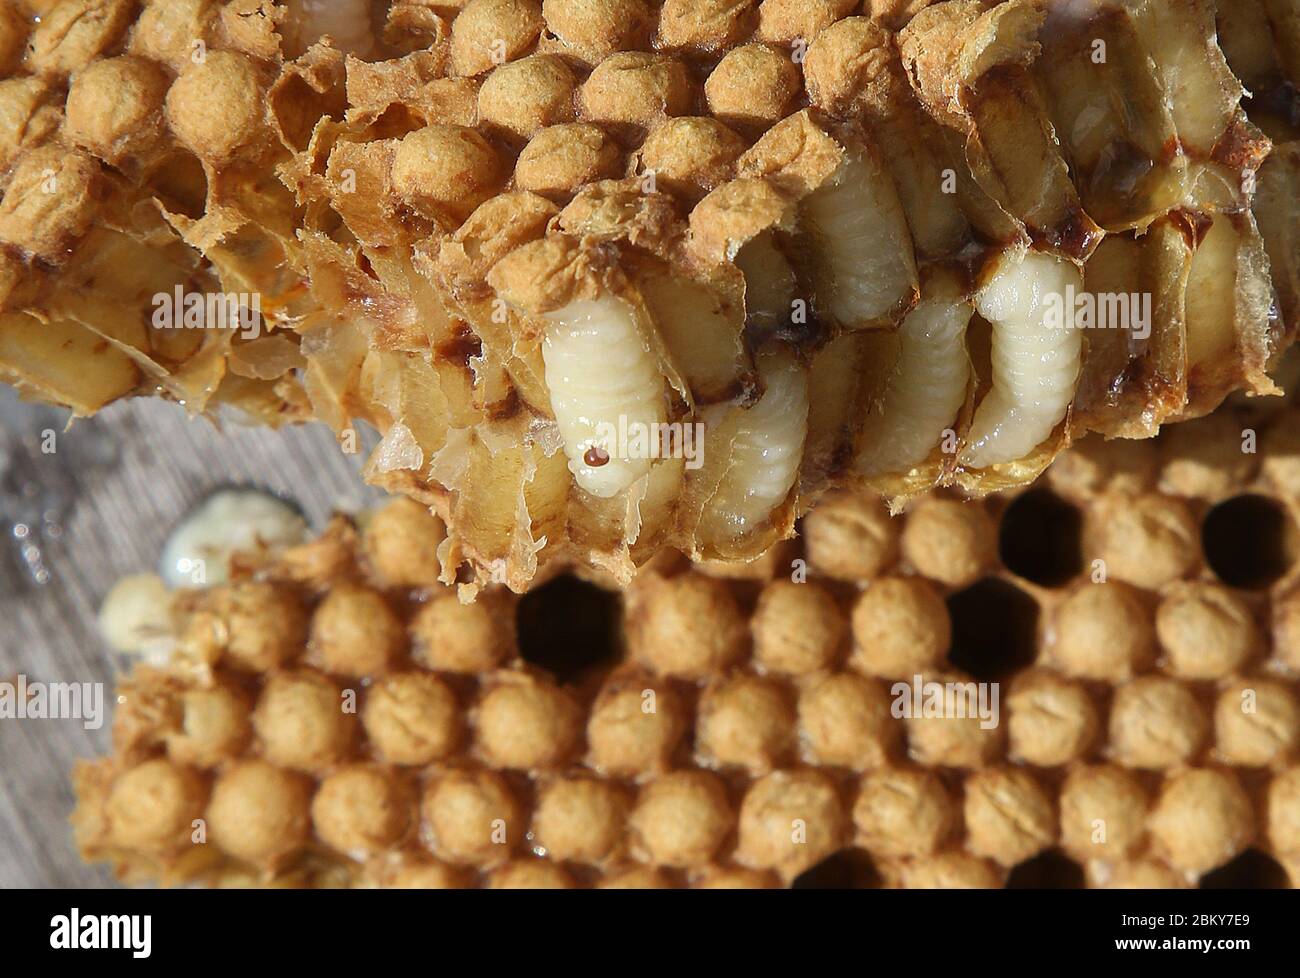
x=739, y=727
x=535, y=244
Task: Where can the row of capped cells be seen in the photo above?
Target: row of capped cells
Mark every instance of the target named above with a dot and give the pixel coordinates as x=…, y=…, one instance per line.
x=921, y=828
x=691, y=626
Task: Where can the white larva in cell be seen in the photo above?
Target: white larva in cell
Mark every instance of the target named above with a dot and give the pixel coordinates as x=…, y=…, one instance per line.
x=606, y=391
x=136, y=618
x=765, y=452
x=1036, y=353
x=865, y=268
x=769, y=281
x=199, y=551
x=928, y=383
x=346, y=21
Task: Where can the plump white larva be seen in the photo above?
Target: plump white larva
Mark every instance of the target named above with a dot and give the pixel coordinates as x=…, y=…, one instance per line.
x=606, y=391
x=769, y=281
x=1036, y=353
x=765, y=452
x=199, y=550
x=346, y=21
x=928, y=383
x=865, y=265
x=136, y=618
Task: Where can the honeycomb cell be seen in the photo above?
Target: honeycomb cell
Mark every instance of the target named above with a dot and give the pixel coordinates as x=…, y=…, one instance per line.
x=1051, y=720
x=579, y=819
x=1103, y=813
x=949, y=541
x=1206, y=631
x=450, y=636
x=682, y=819
x=746, y=721
x=903, y=812
x=845, y=721
x=355, y=633
x=525, y=722
x=687, y=626
x=251, y=626
x=471, y=818
x=900, y=627
x=362, y=810
x=1256, y=723
x=790, y=820
x=259, y=813
x=1147, y=540
x=797, y=628
x=1201, y=820
x=1103, y=632
x=1156, y=723
x=635, y=726
x=1009, y=817
x=411, y=718
x=401, y=543
x=303, y=723
x=152, y=806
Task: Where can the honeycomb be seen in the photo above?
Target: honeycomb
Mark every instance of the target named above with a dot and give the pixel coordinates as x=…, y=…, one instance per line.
x=615, y=276
x=335, y=716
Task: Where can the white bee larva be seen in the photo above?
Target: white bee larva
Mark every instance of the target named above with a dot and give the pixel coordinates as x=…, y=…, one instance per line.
x=1036, y=354
x=769, y=281
x=865, y=266
x=136, y=617
x=765, y=452
x=1212, y=283
x=199, y=550
x=346, y=21
x=606, y=391
x=927, y=385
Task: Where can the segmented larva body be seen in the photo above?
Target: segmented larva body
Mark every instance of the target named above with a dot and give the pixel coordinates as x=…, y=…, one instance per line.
x=865, y=249
x=603, y=379
x=1211, y=304
x=346, y=21
x=770, y=287
x=200, y=548
x=1036, y=358
x=927, y=385
x=765, y=452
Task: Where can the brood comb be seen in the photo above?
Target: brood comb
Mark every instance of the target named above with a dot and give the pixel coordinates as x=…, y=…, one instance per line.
x=334, y=716
x=541, y=247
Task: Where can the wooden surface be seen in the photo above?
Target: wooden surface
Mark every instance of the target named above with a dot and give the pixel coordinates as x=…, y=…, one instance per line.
x=71, y=523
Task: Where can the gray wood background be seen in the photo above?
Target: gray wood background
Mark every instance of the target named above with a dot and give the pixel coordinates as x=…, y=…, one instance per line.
x=71, y=523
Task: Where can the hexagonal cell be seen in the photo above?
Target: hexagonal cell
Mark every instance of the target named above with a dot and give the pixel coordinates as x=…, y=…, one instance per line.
x=1050, y=870
x=1040, y=538
x=569, y=626
x=1249, y=541
x=994, y=629
x=848, y=869
x=1252, y=870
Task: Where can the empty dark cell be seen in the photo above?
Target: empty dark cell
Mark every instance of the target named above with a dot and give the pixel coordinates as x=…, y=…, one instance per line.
x=1051, y=870
x=1249, y=541
x=848, y=869
x=1252, y=870
x=1040, y=538
x=568, y=626
x=994, y=629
